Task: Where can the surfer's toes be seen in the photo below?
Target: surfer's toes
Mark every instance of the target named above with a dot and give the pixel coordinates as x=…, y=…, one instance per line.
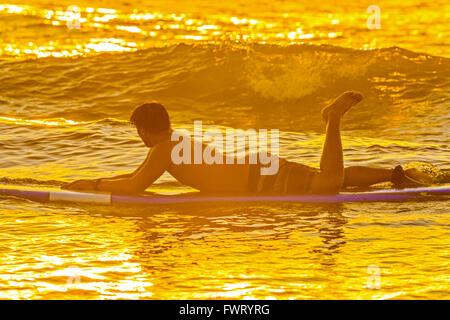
x=342, y=103
x=410, y=177
x=347, y=100
x=357, y=97
x=398, y=175
x=418, y=176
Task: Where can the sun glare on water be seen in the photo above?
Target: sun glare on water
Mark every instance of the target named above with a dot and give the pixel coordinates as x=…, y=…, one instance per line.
x=124, y=31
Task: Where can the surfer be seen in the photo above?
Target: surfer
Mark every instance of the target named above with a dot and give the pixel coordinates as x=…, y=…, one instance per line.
x=153, y=126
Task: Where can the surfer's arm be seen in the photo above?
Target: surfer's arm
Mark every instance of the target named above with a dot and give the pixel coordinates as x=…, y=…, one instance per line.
x=121, y=176
x=125, y=175
x=156, y=163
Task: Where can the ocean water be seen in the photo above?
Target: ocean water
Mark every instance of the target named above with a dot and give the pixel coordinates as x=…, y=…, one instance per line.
x=70, y=80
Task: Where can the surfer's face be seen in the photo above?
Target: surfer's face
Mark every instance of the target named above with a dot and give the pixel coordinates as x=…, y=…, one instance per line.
x=146, y=137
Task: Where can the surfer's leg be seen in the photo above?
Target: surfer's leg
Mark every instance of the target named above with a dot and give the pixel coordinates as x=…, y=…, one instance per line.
x=331, y=175
x=361, y=176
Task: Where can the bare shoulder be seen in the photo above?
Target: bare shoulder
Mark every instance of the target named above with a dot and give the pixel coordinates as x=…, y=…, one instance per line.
x=162, y=150
x=164, y=146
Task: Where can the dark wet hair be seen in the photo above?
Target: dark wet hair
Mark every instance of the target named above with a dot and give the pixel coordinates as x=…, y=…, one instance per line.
x=152, y=117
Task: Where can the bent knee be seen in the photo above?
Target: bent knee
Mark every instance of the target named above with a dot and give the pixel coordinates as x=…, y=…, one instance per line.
x=326, y=184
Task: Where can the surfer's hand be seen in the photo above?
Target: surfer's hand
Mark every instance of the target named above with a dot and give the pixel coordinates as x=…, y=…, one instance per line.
x=84, y=184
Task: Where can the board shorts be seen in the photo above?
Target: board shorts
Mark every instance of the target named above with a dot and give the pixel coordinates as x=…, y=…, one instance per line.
x=291, y=178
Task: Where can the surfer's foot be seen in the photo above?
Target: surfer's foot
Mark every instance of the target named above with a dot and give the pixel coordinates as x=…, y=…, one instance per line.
x=418, y=176
x=410, y=177
x=342, y=104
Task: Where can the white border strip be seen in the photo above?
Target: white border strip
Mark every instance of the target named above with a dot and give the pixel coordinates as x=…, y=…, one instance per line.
x=79, y=197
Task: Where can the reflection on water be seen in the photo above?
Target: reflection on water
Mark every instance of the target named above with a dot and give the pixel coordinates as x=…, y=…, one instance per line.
x=282, y=251
x=287, y=251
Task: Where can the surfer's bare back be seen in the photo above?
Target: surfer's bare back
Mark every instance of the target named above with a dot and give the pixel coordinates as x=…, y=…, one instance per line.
x=153, y=126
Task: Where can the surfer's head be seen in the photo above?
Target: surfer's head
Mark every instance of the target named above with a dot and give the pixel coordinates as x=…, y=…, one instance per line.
x=151, y=121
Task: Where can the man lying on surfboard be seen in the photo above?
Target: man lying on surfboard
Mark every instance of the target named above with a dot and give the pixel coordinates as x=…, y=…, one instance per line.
x=153, y=126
